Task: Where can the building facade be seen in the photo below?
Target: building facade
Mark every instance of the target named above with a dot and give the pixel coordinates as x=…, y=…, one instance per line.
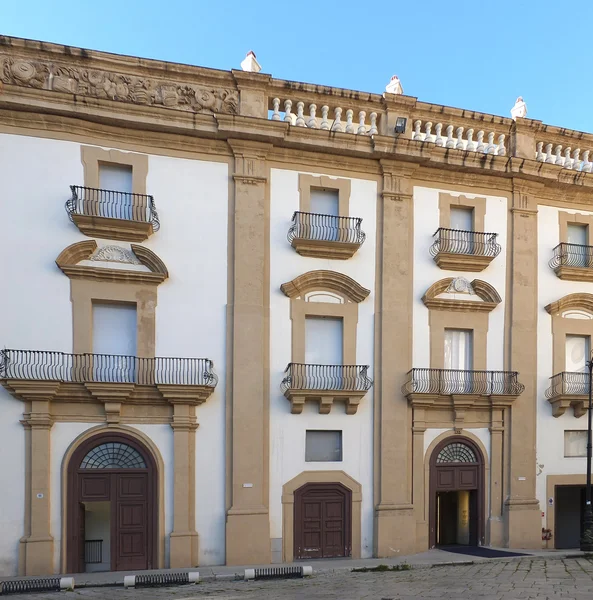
x=252, y=320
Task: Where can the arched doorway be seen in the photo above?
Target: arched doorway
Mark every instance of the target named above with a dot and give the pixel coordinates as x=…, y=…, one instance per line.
x=456, y=494
x=112, y=505
x=322, y=521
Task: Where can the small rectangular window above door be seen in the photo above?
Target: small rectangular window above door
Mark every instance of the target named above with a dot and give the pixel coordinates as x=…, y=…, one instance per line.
x=325, y=202
x=462, y=218
x=575, y=443
x=323, y=446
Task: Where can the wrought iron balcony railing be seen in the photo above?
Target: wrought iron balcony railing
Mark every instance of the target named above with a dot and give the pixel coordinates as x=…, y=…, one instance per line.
x=326, y=228
x=568, y=384
x=112, y=204
x=473, y=243
x=451, y=381
x=348, y=378
x=572, y=255
x=102, y=368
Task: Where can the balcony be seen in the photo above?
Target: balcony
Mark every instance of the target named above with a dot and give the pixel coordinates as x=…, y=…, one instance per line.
x=109, y=377
x=442, y=385
x=566, y=390
x=457, y=250
x=325, y=236
x=112, y=215
x=325, y=384
x=573, y=262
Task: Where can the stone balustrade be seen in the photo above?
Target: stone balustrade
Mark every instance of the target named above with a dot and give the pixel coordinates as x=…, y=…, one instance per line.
x=459, y=138
x=330, y=118
x=567, y=158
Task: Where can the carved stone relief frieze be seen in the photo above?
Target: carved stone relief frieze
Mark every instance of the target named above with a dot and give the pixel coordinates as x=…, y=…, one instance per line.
x=115, y=254
x=97, y=83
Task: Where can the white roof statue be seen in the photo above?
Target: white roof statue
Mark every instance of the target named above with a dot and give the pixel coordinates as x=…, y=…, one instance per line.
x=519, y=110
x=250, y=63
x=394, y=86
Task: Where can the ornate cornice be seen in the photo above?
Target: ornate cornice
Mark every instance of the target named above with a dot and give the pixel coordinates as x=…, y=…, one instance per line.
x=488, y=295
x=118, y=86
x=325, y=280
x=69, y=258
x=578, y=301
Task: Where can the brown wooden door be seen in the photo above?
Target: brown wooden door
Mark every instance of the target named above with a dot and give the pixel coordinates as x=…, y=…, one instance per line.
x=130, y=522
x=322, y=527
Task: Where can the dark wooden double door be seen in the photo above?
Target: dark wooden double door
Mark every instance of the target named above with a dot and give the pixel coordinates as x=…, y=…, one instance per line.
x=322, y=521
x=131, y=516
x=446, y=483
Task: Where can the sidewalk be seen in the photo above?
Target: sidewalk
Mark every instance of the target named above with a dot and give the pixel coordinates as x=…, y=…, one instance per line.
x=428, y=559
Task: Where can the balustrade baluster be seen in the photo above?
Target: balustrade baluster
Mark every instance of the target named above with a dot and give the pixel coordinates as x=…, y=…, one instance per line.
x=276, y=113
x=312, y=122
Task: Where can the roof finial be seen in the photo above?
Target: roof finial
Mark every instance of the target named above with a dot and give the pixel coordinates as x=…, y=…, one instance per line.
x=394, y=86
x=519, y=110
x=250, y=63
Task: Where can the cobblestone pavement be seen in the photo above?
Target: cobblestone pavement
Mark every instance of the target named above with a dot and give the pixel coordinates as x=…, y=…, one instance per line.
x=525, y=579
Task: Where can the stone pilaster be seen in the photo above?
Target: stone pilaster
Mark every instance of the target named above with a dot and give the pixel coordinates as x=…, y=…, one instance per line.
x=37, y=543
x=248, y=525
x=252, y=87
x=395, y=524
x=495, y=520
x=521, y=508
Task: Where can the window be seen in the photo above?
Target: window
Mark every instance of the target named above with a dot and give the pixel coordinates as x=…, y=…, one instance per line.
x=577, y=353
x=575, y=443
x=115, y=177
x=462, y=218
x=459, y=349
x=323, y=340
x=325, y=202
x=113, y=455
x=323, y=446
x=577, y=236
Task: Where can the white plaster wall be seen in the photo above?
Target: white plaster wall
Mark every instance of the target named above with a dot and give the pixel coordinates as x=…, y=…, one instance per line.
x=192, y=201
x=550, y=430
x=12, y=499
x=426, y=272
x=287, y=431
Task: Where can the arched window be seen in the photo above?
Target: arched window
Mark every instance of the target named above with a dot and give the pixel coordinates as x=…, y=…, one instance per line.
x=113, y=455
x=456, y=452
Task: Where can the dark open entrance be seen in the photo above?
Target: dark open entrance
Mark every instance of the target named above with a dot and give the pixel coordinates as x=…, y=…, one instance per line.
x=112, y=506
x=322, y=521
x=456, y=494
x=569, y=506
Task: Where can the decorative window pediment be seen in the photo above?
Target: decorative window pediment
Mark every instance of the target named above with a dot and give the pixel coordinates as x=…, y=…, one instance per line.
x=459, y=294
x=85, y=260
x=325, y=281
x=572, y=306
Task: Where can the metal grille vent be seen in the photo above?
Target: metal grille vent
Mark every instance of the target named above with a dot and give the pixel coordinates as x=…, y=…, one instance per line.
x=278, y=573
x=51, y=584
x=161, y=579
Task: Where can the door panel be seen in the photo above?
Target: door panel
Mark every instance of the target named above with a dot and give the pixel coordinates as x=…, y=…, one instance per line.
x=94, y=487
x=131, y=524
x=467, y=478
x=322, y=522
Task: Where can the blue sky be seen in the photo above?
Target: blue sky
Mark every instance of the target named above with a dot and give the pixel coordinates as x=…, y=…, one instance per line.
x=473, y=55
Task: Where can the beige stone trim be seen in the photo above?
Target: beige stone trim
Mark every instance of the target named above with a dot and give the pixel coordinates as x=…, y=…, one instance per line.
x=331, y=250
x=327, y=281
x=395, y=520
x=561, y=327
x=477, y=204
x=84, y=292
x=36, y=548
x=158, y=459
x=69, y=258
x=92, y=157
x=248, y=523
x=551, y=482
x=486, y=292
x=522, y=517
x=440, y=320
x=565, y=218
x=422, y=474
x=288, y=491
x=309, y=182
x=348, y=312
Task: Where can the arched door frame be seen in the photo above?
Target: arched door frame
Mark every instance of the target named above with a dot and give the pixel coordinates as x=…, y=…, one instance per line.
x=481, y=492
x=72, y=491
